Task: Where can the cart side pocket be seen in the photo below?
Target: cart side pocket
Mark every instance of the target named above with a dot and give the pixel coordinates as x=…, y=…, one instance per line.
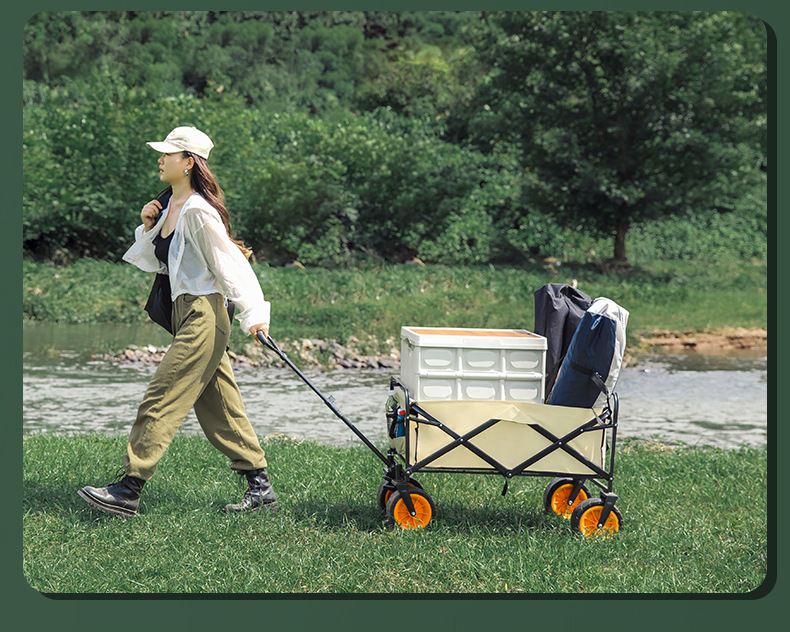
x=398, y=416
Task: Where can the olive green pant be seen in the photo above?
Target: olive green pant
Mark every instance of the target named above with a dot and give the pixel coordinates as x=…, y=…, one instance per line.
x=195, y=372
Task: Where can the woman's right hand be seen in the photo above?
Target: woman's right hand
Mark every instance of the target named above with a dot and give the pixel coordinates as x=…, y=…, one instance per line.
x=150, y=214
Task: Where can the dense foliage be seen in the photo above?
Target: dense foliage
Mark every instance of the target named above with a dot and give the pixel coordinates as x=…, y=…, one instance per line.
x=449, y=136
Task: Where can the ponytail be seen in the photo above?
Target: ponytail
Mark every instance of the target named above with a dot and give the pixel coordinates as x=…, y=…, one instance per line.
x=204, y=182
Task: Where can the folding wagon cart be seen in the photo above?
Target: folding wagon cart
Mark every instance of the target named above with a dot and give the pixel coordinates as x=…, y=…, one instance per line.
x=509, y=439
x=575, y=446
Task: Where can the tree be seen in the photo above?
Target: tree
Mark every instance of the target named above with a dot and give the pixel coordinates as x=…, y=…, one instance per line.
x=622, y=117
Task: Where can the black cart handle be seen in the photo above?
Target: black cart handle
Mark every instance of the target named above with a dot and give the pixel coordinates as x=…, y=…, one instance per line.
x=268, y=342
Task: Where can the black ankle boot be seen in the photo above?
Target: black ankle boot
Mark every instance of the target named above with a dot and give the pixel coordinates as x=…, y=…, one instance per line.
x=259, y=493
x=121, y=498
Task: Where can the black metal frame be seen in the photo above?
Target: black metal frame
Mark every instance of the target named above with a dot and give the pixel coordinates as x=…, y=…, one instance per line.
x=602, y=478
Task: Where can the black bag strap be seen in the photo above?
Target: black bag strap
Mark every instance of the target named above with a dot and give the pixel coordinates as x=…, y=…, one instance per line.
x=596, y=377
x=164, y=197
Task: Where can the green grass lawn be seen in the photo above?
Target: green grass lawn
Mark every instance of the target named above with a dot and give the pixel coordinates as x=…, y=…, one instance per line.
x=694, y=522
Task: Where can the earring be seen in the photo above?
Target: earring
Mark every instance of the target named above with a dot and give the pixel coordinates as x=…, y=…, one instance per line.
x=186, y=172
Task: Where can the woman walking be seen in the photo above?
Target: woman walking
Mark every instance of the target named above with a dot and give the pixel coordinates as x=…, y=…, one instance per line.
x=189, y=239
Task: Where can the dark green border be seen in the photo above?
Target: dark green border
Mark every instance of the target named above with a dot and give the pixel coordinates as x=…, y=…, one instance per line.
x=25, y=607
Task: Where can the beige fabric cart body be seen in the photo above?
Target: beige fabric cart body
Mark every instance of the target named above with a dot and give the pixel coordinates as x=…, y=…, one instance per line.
x=514, y=439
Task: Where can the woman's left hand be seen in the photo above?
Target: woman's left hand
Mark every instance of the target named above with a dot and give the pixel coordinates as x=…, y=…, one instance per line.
x=263, y=327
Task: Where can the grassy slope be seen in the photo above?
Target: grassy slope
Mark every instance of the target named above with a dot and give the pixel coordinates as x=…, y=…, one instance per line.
x=375, y=302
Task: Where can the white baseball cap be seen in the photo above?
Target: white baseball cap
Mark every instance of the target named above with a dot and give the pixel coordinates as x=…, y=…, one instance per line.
x=188, y=139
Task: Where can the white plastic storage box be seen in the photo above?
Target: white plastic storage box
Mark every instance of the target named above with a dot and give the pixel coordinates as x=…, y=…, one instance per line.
x=473, y=364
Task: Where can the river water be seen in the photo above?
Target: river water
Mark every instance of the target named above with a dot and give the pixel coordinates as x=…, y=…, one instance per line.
x=695, y=399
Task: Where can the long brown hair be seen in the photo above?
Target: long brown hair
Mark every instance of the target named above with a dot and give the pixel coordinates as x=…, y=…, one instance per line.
x=204, y=182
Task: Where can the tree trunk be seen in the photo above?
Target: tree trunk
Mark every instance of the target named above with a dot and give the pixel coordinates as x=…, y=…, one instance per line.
x=619, y=240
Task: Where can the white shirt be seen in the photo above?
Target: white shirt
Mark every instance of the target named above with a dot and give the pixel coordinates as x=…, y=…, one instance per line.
x=203, y=260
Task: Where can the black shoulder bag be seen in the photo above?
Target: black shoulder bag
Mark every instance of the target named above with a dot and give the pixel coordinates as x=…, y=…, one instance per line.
x=160, y=302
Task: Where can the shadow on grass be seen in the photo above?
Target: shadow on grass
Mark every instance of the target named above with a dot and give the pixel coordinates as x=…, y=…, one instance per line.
x=61, y=500
x=55, y=499
x=367, y=517
x=496, y=520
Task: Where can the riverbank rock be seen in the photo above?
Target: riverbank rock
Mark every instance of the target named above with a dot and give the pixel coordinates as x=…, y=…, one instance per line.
x=133, y=354
x=331, y=355
x=710, y=342
x=305, y=353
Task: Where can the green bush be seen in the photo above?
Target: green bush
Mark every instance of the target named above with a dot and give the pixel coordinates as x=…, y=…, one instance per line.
x=708, y=235
x=301, y=211
x=82, y=175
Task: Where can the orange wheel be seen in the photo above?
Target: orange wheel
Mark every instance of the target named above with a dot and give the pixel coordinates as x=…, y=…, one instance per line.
x=557, y=494
x=424, y=509
x=587, y=514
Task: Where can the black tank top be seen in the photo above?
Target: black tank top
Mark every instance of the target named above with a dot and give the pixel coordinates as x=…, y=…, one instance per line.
x=162, y=246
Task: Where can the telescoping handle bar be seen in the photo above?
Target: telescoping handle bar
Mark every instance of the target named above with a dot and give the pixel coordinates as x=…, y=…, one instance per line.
x=329, y=401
